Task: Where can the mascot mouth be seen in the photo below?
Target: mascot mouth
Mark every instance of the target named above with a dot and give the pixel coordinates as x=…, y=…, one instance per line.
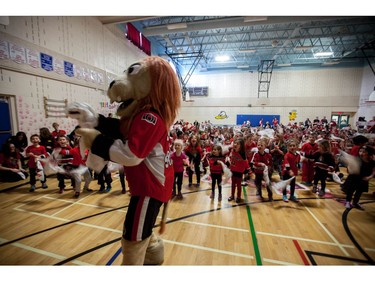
x=124, y=105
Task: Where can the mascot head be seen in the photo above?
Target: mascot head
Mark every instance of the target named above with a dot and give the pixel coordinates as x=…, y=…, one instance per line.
x=148, y=84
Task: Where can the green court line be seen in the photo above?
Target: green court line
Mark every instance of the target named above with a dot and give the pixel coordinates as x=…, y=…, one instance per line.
x=252, y=230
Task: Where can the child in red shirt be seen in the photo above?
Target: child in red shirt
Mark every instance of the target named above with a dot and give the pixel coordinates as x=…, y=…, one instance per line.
x=290, y=169
x=262, y=159
x=308, y=149
x=34, y=152
x=238, y=166
x=216, y=169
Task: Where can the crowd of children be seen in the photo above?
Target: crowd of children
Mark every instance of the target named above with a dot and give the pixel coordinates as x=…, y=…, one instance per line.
x=310, y=149
x=61, y=154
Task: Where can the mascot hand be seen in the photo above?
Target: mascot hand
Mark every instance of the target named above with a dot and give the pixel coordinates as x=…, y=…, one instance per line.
x=84, y=113
x=87, y=136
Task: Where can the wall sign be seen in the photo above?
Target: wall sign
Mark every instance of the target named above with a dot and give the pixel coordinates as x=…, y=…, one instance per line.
x=68, y=69
x=46, y=62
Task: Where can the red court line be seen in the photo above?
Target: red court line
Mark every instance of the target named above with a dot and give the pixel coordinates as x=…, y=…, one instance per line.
x=300, y=251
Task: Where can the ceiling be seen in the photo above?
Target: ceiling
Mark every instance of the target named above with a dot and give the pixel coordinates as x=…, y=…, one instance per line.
x=249, y=42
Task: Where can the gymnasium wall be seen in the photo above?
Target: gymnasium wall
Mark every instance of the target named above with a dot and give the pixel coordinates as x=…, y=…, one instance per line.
x=83, y=41
x=311, y=93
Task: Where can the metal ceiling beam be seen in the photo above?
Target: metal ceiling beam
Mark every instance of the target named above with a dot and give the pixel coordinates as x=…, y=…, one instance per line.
x=230, y=22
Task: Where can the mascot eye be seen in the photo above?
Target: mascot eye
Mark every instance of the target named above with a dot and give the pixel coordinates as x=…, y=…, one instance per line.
x=134, y=69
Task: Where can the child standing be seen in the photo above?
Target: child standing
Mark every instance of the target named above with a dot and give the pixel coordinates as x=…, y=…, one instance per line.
x=179, y=159
x=324, y=162
x=290, y=169
x=262, y=159
x=238, y=166
x=360, y=183
x=308, y=149
x=194, y=151
x=34, y=152
x=216, y=169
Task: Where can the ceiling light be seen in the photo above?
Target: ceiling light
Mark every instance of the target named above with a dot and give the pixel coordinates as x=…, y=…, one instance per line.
x=177, y=25
x=243, y=66
x=222, y=58
x=330, y=62
x=323, y=54
x=303, y=48
x=252, y=19
x=247, y=50
x=284, y=64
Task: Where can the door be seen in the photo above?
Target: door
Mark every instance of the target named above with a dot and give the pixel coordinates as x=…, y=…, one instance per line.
x=342, y=120
x=5, y=121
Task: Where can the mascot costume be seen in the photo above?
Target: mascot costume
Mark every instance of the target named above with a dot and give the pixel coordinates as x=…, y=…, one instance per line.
x=150, y=97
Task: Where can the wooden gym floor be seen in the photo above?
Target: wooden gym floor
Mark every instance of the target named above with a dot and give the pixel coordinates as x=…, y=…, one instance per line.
x=48, y=228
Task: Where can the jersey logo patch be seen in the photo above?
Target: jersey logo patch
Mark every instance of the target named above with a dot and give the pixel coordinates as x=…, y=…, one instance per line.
x=150, y=118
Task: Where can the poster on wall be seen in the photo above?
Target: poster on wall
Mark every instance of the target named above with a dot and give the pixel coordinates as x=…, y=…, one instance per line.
x=85, y=74
x=68, y=69
x=93, y=76
x=4, y=49
x=100, y=78
x=77, y=71
x=46, y=62
x=59, y=66
x=17, y=53
x=32, y=58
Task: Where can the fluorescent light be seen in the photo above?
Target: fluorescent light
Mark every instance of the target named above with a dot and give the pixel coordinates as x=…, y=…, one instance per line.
x=323, y=54
x=330, y=62
x=252, y=19
x=243, y=66
x=222, y=58
x=303, y=48
x=177, y=25
x=284, y=64
x=247, y=50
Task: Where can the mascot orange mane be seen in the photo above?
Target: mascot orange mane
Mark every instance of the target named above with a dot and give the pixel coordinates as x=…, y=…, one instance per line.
x=150, y=96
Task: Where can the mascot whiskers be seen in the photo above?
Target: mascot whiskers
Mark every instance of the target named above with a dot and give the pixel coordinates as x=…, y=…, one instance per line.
x=150, y=96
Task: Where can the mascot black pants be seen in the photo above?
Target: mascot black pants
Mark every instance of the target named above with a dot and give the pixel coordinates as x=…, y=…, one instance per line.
x=140, y=218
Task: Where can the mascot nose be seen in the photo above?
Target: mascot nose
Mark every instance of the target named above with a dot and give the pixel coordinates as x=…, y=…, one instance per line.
x=110, y=85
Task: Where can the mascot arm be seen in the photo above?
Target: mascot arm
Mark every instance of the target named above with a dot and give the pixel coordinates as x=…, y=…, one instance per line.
x=115, y=151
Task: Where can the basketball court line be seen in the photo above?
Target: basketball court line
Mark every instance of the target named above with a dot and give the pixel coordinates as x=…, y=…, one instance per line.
x=304, y=239
x=327, y=232
x=230, y=206
x=42, y=252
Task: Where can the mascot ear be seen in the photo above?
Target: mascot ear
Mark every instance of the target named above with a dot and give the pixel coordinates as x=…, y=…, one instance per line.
x=83, y=113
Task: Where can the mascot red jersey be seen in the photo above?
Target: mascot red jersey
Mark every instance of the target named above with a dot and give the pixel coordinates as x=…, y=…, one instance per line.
x=150, y=96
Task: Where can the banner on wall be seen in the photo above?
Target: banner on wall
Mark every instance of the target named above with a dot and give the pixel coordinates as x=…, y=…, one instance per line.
x=17, y=53
x=68, y=69
x=32, y=58
x=4, y=49
x=59, y=66
x=46, y=62
x=106, y=104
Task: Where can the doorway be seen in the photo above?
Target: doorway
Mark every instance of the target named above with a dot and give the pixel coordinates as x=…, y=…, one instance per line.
x=342, y=120
x=5, y=120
